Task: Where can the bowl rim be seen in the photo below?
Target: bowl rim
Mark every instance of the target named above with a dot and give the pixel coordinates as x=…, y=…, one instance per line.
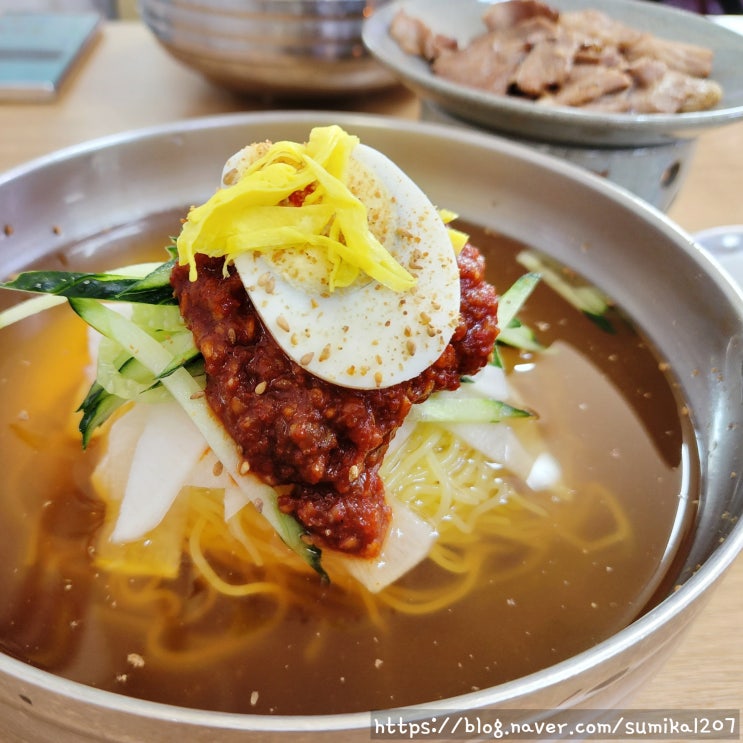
x=692, y=589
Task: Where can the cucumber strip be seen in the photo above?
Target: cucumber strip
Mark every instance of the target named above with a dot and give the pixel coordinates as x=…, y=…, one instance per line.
x=29, y=308
x=124, y=377
x=100, y=403
x=152, y=288
x=103, y=399
x=513, y=299
x=585, y=298
x=448, y=407
x=183, y=359
x=98, y=406
x=186, y=391
x=155, y=284
x=497, y=360
x=511, y=331
x=520, y=336
x=153, y=317
x=71, y=284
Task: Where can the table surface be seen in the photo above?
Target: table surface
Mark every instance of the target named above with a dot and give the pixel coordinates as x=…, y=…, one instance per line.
x=127, y=81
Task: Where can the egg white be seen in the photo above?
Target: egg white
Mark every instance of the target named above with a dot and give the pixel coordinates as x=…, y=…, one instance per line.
x=366, y=335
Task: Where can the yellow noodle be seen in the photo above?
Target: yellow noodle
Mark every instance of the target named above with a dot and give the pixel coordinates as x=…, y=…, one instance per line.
x=427, y=601
x=249, y=588
x=237, y=530
x=373, y=609
x=486, y=526
x=597, y=495
x=453, y=560
x=144, y=594
x=238, y=584
x=313, y=649
x=205, y=648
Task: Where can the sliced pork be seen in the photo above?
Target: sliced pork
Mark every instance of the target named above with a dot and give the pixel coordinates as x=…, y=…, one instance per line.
x=414, y=37
x=488, y=63
x=580, y=58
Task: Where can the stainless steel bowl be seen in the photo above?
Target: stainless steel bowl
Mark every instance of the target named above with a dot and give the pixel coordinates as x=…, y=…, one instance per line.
x=297, y=48
x=694, y=316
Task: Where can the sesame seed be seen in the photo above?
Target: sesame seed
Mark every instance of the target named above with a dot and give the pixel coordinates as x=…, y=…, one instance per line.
x=353, y=473
x=230, y=177
x=244, y=467
x=410, y=347
x=260, y=388
x=197, y=395
x=378, y=379
x=270, y=285
x=135, y=659
x=282, y=323
x=217, y=469
x=306, y=358
x=325, y=353
x=231, y=335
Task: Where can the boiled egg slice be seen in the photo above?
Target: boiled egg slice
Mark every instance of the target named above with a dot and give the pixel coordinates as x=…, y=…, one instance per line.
x=364, y=335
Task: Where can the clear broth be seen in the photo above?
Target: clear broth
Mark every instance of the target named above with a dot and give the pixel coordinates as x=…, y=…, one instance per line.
x=608, y=409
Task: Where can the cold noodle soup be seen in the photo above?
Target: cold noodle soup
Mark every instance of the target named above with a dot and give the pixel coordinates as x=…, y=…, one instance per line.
x=522, y=575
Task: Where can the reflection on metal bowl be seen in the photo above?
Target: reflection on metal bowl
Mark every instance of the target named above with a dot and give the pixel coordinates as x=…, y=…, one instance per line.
x=279, y=48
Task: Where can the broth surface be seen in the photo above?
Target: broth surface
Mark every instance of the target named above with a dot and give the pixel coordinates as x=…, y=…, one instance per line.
x=609, y=414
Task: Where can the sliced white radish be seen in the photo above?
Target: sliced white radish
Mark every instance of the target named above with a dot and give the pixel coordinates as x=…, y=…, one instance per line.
x=499, y=443
x=408, y=543
x=112, y=471
x=164, y=455
x=490, y=382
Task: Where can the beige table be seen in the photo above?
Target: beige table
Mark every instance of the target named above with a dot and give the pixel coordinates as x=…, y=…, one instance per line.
x=127, y=81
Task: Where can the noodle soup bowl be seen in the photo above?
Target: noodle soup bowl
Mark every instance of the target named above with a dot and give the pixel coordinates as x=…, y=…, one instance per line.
x=86, y=198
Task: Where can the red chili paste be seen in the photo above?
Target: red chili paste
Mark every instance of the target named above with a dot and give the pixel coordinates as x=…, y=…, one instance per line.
x=325, y=443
